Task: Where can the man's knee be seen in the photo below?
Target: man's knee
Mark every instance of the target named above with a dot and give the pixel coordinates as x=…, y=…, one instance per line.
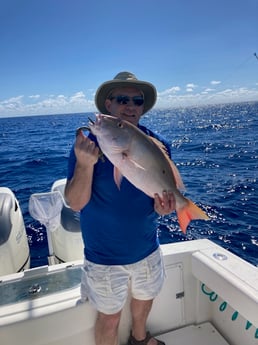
x=107, y=321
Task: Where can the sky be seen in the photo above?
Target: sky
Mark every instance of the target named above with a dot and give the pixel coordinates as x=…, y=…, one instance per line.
x=55, y=53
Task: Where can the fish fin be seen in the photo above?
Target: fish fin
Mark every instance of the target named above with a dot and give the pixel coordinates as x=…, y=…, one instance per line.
x=117, y=177
x=179, y=182
x=137, y=165
x=189, y=212
x=160, y=145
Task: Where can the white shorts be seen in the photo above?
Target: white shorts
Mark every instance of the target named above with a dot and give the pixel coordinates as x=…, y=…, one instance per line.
x=106, y=287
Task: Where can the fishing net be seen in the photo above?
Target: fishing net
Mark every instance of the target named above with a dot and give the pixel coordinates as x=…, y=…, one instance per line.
x=46, y=208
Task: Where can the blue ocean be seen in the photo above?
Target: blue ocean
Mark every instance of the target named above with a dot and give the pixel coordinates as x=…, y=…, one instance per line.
x=214, y=147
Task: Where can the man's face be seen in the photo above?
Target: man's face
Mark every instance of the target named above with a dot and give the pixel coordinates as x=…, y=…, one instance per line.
x=127, y=103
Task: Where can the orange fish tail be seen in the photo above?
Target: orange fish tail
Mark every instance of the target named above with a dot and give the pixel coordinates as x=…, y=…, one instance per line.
x=189, y=212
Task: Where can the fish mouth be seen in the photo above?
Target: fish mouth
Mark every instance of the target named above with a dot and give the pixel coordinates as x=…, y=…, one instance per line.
x=96, y=123
x=100, y=118
x=92, y=123
x=95, y=126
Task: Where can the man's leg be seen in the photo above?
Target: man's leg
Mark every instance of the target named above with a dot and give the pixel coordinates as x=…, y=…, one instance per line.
x=106, y=329
x=147, y=281
x=140, y=311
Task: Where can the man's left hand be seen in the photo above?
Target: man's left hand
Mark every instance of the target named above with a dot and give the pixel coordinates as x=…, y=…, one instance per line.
x=166, y=204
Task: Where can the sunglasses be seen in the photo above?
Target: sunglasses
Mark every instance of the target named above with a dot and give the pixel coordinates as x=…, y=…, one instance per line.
x=121, y=99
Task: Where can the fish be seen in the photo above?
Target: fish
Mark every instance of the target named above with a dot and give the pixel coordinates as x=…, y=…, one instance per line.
x=143, y=160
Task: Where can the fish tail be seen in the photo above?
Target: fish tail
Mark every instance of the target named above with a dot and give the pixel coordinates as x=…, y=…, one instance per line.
x=189, y=212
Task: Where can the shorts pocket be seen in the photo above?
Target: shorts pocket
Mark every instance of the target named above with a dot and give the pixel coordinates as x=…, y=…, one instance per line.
x=97, y=277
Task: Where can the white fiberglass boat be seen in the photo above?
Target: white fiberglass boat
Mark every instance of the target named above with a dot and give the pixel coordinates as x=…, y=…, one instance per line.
x=210, y=297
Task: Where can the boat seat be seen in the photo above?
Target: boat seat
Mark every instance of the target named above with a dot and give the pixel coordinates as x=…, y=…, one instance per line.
x=70, y=220
x=6, y=205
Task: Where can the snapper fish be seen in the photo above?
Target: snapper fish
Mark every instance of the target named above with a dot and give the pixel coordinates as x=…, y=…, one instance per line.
x=143, y=160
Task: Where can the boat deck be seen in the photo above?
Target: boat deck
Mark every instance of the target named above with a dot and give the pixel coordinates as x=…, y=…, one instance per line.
x=195, y=335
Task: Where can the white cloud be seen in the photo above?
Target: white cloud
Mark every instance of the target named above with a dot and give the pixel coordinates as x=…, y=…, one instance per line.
x=78, y=97
x=11, y=105
x=208, y=96
x=78, y=102
x=53, y=104
x=190, y=87
x=34, y=96
x=171, y=90
x=215, y=82
x=14, y=100
x=207, y=90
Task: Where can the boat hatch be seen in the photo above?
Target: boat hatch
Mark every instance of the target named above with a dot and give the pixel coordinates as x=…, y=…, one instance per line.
x=43, y=283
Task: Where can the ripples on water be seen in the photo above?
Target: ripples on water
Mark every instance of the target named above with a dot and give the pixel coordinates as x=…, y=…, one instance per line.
x=215, y=149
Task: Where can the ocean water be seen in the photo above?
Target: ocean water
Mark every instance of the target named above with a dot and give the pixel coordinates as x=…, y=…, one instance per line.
x=214, y=147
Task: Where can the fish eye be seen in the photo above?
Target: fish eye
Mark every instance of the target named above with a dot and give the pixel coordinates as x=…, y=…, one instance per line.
x=120, y=124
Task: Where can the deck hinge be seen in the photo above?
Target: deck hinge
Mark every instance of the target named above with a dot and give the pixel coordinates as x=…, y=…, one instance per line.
x=180, y=294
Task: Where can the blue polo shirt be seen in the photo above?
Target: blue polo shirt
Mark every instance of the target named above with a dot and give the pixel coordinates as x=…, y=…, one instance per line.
x=118, y=225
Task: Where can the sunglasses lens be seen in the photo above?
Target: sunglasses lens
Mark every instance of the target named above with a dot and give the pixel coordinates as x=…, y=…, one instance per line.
x=121, y=99
x=138, y=101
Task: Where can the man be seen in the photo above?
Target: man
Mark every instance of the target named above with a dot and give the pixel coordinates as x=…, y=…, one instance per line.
x=118, y=226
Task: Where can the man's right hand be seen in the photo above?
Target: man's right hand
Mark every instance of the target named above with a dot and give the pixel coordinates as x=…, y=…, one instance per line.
x=86, y=151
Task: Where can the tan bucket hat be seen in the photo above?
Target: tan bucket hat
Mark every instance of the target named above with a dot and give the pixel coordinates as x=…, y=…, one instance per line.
x=126, y=79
